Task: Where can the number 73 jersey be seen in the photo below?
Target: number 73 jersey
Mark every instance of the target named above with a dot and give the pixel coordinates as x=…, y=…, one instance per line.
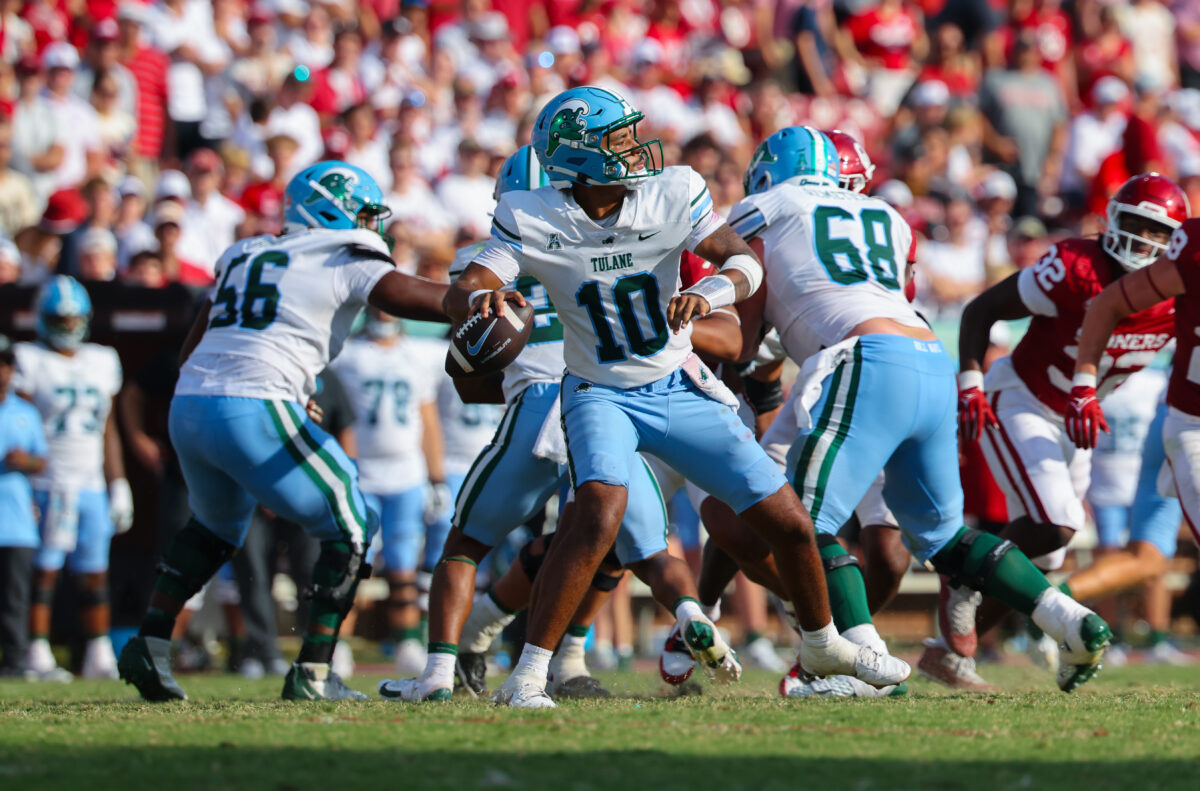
x=833, y=259
x=74, y=396
x=281, y=310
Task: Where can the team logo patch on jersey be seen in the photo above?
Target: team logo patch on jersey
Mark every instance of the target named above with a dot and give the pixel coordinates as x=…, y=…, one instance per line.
x=568, y=124
x=553, y=243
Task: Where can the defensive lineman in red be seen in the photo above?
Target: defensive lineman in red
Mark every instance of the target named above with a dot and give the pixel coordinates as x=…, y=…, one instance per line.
x=1018, y=408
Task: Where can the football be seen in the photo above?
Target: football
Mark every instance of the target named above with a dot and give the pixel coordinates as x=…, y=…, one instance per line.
x=481, y=346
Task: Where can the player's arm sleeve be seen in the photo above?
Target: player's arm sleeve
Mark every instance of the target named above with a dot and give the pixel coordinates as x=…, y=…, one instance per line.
x=502, y=253
x=700, y=208
x=1040, y=284
x=747, y=219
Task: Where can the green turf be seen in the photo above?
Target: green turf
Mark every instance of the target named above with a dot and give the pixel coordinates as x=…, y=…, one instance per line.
x=1136, y=727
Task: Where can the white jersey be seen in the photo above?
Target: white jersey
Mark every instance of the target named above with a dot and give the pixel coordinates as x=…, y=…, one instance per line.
x=1117, y=458
x=282, y=308
x=833, y=259
x=387, y=385
x=541, y=360
x=611, y=283
x=74, y=395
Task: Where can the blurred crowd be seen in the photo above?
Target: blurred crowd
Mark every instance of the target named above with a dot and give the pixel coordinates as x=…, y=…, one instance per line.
x=138, y=140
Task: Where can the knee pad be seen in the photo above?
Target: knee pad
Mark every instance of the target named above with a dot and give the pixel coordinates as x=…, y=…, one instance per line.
x=193, y=557
x=531, y=564
x=93, y=598
x=340, y=567
x=763, y=396
x=403, y=591
x=43, y=595
x=606, y=582
x=972, y=559
x=833, y=555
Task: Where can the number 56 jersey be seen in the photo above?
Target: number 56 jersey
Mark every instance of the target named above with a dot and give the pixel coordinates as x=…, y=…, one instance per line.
x=74, y=396
x=833, y=259
x=281, y=310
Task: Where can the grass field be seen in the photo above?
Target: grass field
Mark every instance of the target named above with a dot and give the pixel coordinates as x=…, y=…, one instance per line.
x=1135, y=727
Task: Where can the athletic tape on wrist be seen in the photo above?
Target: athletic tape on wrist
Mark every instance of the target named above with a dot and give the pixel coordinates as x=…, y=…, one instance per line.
x=717, y=290
x=474, y=294
x=748, y=266
x=969, y=379
x=1084, y=380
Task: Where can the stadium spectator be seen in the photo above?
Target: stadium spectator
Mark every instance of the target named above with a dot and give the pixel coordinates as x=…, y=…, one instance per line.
x=1150, y=27
x=22, y=451
x=292, y=114
x=18, y=202
x=1094, y=135
x=132, y=231
x=167, y=222
x=1187, y=31
x=37, y=150
x=115, y=125
x=366, y=147
x=102, y=57
x=149, y=69
x=75, y=119
x=1103, y=49
x=10, y=262
x=210, y=220
x=339, y=87
x=467, y=193
x=101, y=203
x=1026, y=117
x=952, y=264
x=97, y=255
x=888, y=39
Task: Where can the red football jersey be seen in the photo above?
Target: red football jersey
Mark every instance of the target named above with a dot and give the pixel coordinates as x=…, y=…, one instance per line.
x=1183, y=392
x=1058, y=289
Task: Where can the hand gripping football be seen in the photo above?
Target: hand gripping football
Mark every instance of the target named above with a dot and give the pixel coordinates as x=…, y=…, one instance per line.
x=481, y=346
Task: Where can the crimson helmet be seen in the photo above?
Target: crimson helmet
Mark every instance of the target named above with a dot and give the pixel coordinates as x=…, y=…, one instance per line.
x=1150, y=196
x=855, y=166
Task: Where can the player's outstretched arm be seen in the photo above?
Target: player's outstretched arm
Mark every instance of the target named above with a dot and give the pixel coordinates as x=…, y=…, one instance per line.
x=740, y=276
x=1130, y=293
x=477, y=290
x=1001, y=302
x=409, y=297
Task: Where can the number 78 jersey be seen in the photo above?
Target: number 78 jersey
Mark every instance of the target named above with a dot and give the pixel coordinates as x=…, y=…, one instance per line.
x=833, y=259
x=281, y=310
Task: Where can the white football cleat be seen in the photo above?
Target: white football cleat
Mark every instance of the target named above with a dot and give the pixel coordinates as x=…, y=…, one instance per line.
x=414, y=690
x=522, y=695
x=99, y=661
x=709, y=649
x=956, y=617
x=761, y=653
x=1163, y=653
x=40, y=664
x=843, y=658
x=410, y=658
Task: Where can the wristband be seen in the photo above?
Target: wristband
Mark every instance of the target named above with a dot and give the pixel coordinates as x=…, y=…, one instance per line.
x=969, y=379
x=471, y=298
x=1084, y=380
x=717, y=290
x=748, y=266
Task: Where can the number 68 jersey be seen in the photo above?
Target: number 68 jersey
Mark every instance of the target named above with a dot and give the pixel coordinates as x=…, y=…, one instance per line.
x=833, y=259
x=281, y=310
x=74, y=396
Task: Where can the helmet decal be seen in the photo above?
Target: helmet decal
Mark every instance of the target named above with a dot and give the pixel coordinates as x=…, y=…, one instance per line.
x=567, y=124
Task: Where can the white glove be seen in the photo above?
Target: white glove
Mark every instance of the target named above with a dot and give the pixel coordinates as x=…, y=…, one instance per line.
x=437, y=501
x=120, y=505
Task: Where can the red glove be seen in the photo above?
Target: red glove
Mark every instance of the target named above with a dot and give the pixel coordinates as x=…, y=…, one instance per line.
x=974, y=413
x=1084, y=417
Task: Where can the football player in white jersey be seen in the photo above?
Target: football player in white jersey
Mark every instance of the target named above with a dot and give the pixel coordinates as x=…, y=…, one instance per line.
x=523, y=466
x=281, y=311
x=876, y=392
x=82, y=496
x=604, y=240
x=398, y=444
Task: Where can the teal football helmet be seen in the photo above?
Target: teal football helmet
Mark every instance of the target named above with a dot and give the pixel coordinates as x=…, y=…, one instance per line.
x=571, y=139
x=797, y=152
x=334, y=194
x=63, y=313
x=521, y=171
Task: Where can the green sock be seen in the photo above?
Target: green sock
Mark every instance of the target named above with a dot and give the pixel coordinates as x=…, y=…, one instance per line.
x=327, y=612
x=1157, y=636
x=751, y=636
x=1065, y=588
x=847, y=591
x=1013, y=579
x=578, y=630
x=408, y=633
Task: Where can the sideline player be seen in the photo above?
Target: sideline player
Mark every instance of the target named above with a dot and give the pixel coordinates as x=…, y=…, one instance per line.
x=281, y=311
x=605, y=243
x=876, y=392
x=72, y=384
x=1021, y=401
x=524, y=465
x=1175, y=275
x=398, y=444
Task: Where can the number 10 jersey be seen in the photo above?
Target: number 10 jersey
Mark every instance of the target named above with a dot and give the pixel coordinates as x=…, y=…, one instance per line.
x=833, y=258
x=610, y=284
x=281, y=310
